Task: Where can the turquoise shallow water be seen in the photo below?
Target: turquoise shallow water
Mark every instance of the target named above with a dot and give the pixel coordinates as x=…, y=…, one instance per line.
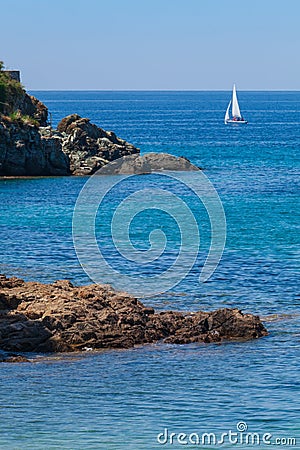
x=123, y=399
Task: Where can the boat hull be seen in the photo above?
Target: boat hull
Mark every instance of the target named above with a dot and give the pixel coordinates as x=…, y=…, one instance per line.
x=236, y=122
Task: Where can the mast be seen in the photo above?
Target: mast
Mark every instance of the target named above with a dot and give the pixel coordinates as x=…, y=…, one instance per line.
x=235, y=105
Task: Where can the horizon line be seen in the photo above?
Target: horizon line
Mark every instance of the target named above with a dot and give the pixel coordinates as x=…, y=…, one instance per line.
x=161, y=90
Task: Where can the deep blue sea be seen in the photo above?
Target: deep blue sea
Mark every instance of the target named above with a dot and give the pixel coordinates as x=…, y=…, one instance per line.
x=114, y=400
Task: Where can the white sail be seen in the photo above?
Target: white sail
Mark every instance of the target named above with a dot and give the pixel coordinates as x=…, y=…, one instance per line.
x=235, y=106
x=227, y=113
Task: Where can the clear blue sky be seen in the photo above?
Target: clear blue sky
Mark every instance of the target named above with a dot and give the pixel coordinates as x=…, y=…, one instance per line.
x=152, y=44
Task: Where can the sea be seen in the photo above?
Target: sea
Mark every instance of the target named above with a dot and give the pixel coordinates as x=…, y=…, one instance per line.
x=234, y=395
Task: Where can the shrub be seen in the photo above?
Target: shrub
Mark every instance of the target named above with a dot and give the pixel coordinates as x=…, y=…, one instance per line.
x=17, y=117
x=9, y=90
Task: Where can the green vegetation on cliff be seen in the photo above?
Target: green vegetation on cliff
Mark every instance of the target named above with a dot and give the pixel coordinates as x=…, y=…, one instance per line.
x=18, y=106
x=9, y=91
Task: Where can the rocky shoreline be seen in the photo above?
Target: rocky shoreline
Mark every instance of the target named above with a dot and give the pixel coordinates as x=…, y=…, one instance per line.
x=77, y=147
x=59, y=317
x=29, y=146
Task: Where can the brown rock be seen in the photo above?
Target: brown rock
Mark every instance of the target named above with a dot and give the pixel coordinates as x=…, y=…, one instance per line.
x=64, y=124
x=60, y=317
x=27, y=105
x=39, y=111
x=13, y=358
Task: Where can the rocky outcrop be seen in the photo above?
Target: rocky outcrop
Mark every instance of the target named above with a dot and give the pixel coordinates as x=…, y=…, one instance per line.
x=77, y=148
x=90, y=147
x=12, y=357
x=38, y=111
x=59, y=317
x=23, y=151
x=14, y=98
x=27, y=105
x=150, y=162
x=29, y=146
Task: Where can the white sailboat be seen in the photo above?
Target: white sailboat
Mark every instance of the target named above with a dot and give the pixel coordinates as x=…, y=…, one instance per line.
x=236, y=116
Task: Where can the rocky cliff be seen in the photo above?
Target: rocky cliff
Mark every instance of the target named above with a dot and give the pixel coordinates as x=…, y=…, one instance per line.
x=59, y=317
x=78, y=148
x=24, y=152
x=90, y=147
x=29, y=146
x=13, y=98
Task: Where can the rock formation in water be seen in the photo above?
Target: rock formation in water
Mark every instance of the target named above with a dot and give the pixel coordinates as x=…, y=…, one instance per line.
x=24, y=152
x=59, y=317
x=83, y=148
x=29, y=146
x=150, y=162
x=90, y=147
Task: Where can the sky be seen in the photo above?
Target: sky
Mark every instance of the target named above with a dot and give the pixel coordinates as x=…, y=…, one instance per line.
x=152, y=44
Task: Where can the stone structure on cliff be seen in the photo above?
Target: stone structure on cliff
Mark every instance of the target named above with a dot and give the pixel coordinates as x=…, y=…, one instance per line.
x=13, y=75
x=59, y=317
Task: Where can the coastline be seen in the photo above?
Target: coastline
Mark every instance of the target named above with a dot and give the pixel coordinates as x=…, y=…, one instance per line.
x=209, y=385
x=60, y=317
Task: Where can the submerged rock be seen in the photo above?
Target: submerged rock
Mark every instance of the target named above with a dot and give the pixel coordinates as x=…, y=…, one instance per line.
x=12, y=358
x=59, y=317
x=150, y=162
